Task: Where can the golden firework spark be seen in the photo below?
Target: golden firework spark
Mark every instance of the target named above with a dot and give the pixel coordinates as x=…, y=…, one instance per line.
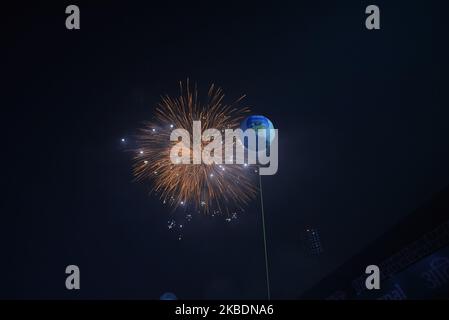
x=205, y=187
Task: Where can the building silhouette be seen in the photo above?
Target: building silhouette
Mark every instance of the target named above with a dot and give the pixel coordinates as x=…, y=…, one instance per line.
x=413, y=258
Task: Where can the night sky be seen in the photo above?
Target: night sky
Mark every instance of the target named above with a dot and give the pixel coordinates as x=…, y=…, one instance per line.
x=363, y=140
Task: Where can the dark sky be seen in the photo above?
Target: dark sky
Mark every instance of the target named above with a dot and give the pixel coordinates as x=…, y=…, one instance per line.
x=362, y=118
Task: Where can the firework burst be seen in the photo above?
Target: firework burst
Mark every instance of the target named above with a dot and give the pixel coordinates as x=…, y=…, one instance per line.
x=205, y=187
